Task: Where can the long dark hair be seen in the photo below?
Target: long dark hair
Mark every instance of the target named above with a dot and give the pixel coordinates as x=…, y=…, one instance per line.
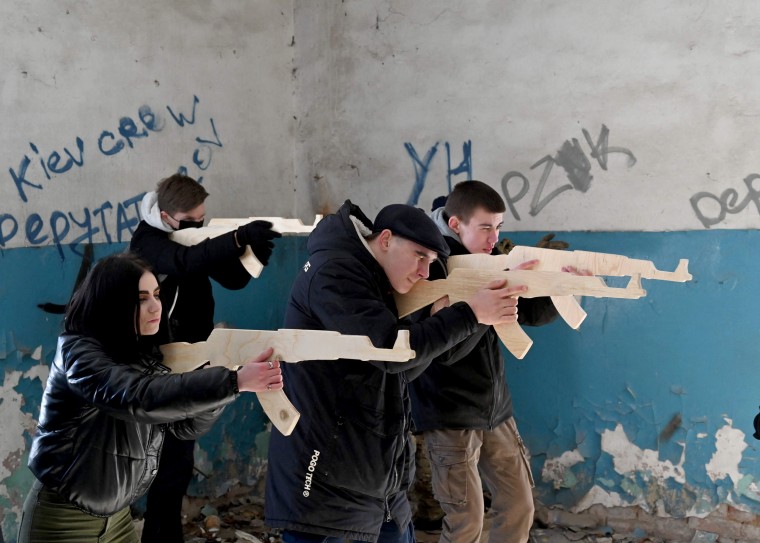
x=106, y=304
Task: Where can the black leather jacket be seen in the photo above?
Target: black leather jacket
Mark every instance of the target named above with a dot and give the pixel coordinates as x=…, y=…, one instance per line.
x=102, y=421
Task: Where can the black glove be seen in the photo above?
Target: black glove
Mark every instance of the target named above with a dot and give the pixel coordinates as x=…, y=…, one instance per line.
x=259, y=235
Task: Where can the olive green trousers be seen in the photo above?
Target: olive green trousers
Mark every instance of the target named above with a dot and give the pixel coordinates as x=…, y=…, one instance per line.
x=47, y=517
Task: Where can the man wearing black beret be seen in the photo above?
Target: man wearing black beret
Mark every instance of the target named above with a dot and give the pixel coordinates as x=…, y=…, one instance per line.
x=345, y=470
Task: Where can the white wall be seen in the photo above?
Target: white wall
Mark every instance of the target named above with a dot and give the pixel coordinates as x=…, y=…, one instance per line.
x=79, y=69
x=298, y=107
x=673, y=84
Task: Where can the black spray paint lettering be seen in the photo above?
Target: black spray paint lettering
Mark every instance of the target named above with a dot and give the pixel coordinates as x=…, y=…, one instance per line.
x=422, y=167
x=573, y=160
x=710, y=215
x=578, y=168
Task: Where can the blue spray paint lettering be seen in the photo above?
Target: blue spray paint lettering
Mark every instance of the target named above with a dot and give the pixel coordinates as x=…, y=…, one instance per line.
x=101, y=211
x=53, y=161
x=59, y=234
x=129, y=130
x=465, y=167
x=181, y=119
x=108, y=143
x=20, y=178
x=6, y=236
x=89, y=233
x=203, y=162
x=60, y=223
x=64, y=227
x=150, y=120
x=34, y=225
x=112, y=150
x=422, y=167
x=128, y=221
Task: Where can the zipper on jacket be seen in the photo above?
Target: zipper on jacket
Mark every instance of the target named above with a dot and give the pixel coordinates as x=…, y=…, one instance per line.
x=394, y=481
x=495, y=386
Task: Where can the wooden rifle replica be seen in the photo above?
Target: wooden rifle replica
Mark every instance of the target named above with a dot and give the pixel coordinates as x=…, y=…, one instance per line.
x=232, y=348
x=463, y=283
x=554, y=260
x=217, y=227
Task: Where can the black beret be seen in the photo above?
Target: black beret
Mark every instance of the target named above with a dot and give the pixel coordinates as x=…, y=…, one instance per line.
x=413, y=224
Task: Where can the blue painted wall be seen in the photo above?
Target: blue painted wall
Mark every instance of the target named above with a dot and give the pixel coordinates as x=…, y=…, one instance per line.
x=234, y=451
x=687, y=349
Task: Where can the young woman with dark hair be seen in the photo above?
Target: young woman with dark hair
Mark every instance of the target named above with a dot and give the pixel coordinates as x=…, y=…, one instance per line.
x=108, y=404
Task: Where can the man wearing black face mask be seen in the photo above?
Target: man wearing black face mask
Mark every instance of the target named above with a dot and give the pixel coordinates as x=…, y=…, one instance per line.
x=188, y=302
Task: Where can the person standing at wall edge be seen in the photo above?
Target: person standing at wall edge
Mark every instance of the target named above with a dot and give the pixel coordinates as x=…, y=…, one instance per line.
x=186, y=291
x=344, y=471
x=462, y=404
x=108, y=404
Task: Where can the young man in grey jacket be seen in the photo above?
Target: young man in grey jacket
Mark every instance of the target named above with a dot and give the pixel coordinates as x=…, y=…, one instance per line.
x=462, y=404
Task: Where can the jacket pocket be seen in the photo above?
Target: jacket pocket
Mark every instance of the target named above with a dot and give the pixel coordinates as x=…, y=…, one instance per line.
x=450, y=467
x=360, y=460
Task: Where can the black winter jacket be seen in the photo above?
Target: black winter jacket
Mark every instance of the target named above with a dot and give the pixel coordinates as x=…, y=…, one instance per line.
x=183, y=273
x=466, y=388
x=349, y=462
x=102, y=421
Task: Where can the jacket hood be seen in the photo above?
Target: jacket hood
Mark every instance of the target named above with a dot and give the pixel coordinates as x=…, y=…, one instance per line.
x=441, y=221
x=151, y=213
x=343, y=231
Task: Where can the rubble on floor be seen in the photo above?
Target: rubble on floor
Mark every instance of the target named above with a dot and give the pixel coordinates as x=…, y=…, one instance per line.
x=240, y=519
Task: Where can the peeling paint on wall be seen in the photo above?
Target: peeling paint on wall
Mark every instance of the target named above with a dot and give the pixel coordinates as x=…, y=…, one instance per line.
x=16, y=423
x=629, y=458
x=729, y=445
x=557, y=470
x=582, y=400
x=598, y=495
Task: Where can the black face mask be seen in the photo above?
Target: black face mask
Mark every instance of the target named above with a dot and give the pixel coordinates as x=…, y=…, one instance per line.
x=190, y=224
